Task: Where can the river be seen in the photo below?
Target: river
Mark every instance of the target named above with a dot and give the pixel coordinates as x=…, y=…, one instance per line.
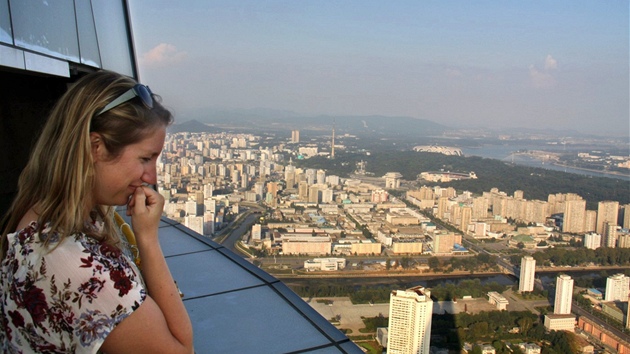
x=505, y=153
x=547, y=279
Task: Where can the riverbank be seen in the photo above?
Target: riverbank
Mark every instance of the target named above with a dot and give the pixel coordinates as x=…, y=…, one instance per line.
x=552, y=158
x=431, y=274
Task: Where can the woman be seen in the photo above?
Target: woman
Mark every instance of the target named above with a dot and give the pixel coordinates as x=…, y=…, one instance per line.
x=65, y=284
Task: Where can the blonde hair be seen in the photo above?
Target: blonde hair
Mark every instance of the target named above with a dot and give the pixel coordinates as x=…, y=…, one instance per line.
x=59, y=177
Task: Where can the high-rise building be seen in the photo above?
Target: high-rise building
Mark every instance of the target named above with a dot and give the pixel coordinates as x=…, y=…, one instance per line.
x=528, y=271
x=259, y=189
x=303, y=191
x=313, y=194
x=272, y=187
x=208, y=223
x=208, y=189
x=564, y=295
x=327, y=195
x=574, y=216
x=443, y=243
x=410, y=313
x=480, y=208
x=194, y=223
x=590, y=220
x=540, y=211
x=466, y=218
x=617, y=288
x=256, y=232
x=626, y=216
x=442, y=207
x=610, y=234
x=607, y=211
x=191, y=208
x=295, y=136
x=624, y=241
x=321, y=176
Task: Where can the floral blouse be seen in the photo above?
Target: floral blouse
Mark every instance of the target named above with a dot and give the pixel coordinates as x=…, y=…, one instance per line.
x=64, y=300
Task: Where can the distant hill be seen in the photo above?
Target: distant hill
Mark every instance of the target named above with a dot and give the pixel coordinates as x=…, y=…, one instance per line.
x=192, y=126
x=276, y=120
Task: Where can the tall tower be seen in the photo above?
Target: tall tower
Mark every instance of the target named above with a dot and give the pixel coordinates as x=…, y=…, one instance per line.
x=332, y=145
x=528, y=270
x=564, y=295
x=410, y=314
x=295, y=136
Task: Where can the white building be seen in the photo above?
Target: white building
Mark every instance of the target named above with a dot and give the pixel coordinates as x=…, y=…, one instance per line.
x=564, y=295
x=257, y=232
x=194, y=223
x=556, y=322
x=498, y=300
x=409, y=330
x=530, y=348
x=328, y=264
x=528, y=270
x=617, y=287
x=191, y=208
x=592, y=240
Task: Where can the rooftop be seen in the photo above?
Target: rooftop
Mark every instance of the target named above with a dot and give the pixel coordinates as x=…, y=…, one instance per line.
x=235, y=307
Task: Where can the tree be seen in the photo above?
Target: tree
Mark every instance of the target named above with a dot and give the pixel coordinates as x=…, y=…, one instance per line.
x=525, y=323
x=434, y=263
x=476, y=349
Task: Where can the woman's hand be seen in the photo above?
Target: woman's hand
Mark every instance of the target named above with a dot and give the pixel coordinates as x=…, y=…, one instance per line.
x=161, y=323
x=145, y=208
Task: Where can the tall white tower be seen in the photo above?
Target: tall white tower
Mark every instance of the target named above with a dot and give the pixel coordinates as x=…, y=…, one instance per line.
x=564, y=295
x=528, y=270
x=410, y=314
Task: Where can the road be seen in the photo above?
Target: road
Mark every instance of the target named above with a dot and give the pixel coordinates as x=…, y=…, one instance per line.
x=240, y=230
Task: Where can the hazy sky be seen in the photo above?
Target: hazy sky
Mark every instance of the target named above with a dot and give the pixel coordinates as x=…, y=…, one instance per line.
x=538, y=64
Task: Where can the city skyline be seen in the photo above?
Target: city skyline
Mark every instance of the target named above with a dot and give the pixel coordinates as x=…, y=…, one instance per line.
x=461, y=64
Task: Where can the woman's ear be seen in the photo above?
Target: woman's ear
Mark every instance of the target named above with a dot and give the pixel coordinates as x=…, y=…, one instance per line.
x=97, y=147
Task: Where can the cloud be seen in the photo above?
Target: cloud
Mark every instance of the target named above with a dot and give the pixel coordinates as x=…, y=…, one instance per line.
x=543, y=78
x=550, y=63
x=453, y=72
x=163, y=54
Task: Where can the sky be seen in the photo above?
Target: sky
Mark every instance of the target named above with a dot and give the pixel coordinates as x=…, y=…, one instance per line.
x=555, y=64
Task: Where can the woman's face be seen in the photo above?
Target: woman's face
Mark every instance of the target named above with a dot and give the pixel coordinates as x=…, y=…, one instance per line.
x=116, y=179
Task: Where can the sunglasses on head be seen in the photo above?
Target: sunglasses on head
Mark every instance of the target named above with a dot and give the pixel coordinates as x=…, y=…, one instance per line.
x=138, y=90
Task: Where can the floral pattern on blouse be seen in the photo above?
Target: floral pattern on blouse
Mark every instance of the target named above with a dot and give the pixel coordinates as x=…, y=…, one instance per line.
x=63, y=299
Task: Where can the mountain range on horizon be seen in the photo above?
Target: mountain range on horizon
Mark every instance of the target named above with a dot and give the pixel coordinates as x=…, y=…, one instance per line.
x=264, y=119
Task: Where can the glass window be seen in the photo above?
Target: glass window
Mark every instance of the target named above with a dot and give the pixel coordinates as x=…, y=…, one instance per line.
x=5, y=23
x=88, y=45
x=113, y=36
x=47, y=27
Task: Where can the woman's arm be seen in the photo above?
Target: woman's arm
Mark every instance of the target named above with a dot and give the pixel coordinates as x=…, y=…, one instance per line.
x=161, y=324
